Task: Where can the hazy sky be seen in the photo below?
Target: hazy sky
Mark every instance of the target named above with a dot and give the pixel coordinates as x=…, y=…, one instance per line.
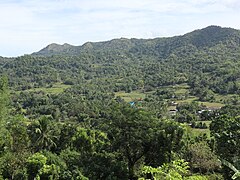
x=27, y=26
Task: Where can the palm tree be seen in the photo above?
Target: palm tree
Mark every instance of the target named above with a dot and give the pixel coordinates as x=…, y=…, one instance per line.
x=228, y=164
x=42, y=134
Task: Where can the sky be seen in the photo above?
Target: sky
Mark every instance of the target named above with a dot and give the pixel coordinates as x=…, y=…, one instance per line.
x=26, y=26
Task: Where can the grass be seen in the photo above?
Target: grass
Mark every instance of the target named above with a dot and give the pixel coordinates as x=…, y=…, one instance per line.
x=171, y=108
x=206, y=122
x=223, y=98
x=188, y=100
x=196, y=132
x=208, y=104
x=55, y=89
x=181, y=89
x=212, y=104
x=128, y=97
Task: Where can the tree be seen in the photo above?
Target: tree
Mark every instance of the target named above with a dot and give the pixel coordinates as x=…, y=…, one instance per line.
x=42, y=134
x=236, y=171
x=12, y=165
x=34, y=164
x=4, y=97
x=39, y=166
x=137, y=135
x=175, y=170
x=4, y=115
x=18, y=132
x=225, y=130
x=202, y=158
x=88, y=141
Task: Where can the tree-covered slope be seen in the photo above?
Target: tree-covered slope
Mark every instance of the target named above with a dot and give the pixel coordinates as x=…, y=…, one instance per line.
x=104, y=110
x=160, y=47
x=206, y=58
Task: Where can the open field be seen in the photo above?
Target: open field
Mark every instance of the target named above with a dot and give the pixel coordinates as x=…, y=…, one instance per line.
x=194, y=98
x=128, y=97
x=206, y=122
x=196, y=132
x=188, y=100
x=55, y=89
x=181, y=89
x=212, y=104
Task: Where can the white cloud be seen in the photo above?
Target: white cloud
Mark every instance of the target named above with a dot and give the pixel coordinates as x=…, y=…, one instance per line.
x=231, y=3
x=29, y=25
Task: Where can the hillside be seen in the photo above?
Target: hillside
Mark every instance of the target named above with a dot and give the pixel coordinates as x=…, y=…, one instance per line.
x=206, y=58
x=123, y=109
x=160, y=47
x=54, y=48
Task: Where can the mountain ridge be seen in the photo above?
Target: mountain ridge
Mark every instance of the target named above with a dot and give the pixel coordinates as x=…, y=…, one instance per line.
x=199, y=38
x=207, y=57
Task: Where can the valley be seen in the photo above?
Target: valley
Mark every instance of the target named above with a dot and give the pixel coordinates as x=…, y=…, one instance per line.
x=123, y=109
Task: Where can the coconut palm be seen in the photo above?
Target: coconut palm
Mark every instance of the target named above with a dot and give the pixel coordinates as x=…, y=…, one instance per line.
x=42, y=134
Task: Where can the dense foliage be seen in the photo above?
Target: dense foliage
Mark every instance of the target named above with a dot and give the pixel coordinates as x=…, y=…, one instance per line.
x=86, y=129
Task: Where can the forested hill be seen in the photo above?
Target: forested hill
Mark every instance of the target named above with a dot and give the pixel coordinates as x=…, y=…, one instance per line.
x=125, y=109
x=159, y=47
x=206, y=58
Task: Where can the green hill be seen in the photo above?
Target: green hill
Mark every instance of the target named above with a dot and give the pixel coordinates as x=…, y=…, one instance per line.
x=205, y=59
x=123, y=109
x=160, y=47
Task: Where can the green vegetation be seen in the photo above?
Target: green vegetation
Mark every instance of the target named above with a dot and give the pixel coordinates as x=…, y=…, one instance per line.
x=133, y=96
x=164, y=108
x=53, y=89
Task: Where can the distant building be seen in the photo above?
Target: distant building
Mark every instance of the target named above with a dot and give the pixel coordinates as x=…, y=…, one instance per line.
x=173, y=112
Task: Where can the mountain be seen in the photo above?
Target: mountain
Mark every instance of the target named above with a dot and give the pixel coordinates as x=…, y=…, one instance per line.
x=102, y=110
x=205, y=58
x=211, y=36
x=53, y=49
x=160, y=47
